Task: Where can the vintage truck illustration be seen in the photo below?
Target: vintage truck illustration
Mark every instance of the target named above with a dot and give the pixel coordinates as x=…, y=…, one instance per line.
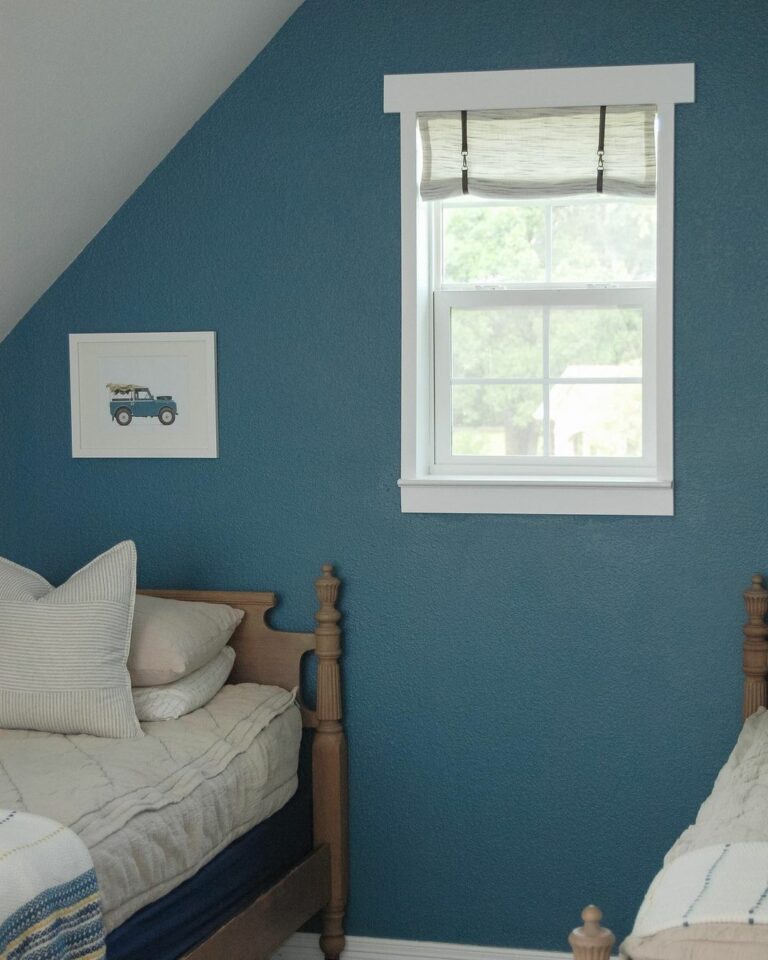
x=129, y=400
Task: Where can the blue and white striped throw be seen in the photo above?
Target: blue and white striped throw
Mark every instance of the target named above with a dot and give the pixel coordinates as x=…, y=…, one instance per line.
x=50, y=907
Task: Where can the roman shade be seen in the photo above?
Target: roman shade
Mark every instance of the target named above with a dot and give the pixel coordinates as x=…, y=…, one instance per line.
x=538, y=153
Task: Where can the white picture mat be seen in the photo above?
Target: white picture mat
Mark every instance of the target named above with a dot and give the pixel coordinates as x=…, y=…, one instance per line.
x=182, y=365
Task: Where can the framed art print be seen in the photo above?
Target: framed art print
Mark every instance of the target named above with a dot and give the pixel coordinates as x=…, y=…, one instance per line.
x=143, y=394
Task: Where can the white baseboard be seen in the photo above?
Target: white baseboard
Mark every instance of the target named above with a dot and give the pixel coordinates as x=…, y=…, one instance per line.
x=304, y=946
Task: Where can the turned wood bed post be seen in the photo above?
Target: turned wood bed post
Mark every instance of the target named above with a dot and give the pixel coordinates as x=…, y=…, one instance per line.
x=755, y=647
x=591, y=942
x=329, y=762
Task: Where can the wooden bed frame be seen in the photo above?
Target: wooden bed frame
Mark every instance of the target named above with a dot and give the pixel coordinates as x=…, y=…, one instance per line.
x=319, y=882
x=593, y=942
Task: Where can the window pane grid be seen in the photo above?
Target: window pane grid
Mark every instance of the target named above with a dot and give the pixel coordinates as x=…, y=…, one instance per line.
x=596, y=416
x=525, y=428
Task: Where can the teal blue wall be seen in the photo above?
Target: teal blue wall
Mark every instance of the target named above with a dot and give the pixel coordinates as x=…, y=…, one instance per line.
x=536, y=705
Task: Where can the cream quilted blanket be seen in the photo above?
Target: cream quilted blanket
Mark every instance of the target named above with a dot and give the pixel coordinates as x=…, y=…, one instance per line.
x=153, y=810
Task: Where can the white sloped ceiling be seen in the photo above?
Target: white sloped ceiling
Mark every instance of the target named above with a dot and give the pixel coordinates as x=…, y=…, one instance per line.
x=93, y=95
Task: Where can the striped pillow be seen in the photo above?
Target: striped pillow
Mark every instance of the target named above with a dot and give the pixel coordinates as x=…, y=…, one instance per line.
x=63, y=651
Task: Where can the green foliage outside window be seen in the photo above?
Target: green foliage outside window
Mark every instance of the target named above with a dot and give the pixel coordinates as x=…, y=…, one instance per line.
x=598, y=243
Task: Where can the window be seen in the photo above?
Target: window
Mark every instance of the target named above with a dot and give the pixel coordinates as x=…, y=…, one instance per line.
x=537, y=289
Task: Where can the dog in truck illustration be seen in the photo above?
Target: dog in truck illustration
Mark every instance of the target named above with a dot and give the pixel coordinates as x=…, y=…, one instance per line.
x=129, y=400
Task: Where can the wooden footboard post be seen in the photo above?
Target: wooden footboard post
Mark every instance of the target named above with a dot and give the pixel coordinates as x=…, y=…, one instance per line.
x=591, y=942
x=755, y=647
x=329, y=762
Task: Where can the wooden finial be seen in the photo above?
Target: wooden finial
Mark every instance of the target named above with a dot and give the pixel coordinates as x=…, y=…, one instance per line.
x=327, y=590
x=755, y=648
x=591, y=942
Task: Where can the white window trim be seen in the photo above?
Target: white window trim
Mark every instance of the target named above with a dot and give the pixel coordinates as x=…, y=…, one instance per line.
x=410, y=94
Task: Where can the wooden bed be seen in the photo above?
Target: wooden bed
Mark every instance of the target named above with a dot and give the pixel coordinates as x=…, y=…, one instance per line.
x=319, y=882
x=593, y=942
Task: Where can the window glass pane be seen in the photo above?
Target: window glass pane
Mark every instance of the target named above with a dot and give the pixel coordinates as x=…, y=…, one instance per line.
x=596, y=419
x=495, y=420
x=497, y=343
x=604, y=241
x=493, y=244
x=598, y=342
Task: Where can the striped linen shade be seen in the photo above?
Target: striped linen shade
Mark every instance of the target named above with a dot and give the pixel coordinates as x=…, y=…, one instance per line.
x=538, y=153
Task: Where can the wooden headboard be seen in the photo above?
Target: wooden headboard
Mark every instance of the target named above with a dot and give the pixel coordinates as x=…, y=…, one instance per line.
x=755, y=647
x=264, y=655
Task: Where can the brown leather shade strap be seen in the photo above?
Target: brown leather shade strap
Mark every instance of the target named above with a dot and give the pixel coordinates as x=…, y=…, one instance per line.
x=600, y=150
x=464, y=153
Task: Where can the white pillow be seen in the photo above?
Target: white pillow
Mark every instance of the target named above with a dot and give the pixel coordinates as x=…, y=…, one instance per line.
x=63, y=651
x=173, y=700
x=173, y=638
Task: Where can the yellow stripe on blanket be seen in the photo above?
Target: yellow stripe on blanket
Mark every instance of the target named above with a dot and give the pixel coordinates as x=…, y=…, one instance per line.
x=50, y=905
x=33, y=843
x=51, y=918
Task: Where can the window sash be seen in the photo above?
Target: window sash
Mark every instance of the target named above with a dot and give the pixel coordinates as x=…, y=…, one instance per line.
x=443, y=459
x=437, y=265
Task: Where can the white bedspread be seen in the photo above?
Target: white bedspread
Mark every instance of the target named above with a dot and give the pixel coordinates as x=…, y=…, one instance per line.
x=737, y=808
x=724, y=883
x=711, y=897
x=153, y=810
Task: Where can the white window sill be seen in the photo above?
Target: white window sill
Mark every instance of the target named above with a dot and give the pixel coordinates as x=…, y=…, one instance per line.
x=613, y=496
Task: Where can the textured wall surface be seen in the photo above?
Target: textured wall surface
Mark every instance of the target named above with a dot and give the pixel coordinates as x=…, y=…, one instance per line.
x=536, y=705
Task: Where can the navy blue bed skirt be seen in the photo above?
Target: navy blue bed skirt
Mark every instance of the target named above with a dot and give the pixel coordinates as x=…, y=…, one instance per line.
x=169, y=927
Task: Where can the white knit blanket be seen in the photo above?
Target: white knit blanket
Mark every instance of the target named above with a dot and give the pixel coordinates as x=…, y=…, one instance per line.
x=723, y=883
x=50, y=908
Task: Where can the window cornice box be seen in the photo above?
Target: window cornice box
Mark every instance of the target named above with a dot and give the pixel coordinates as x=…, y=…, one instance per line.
x=554, y=473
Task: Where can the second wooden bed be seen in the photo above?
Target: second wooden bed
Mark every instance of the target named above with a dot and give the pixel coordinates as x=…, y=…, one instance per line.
x=594, y=942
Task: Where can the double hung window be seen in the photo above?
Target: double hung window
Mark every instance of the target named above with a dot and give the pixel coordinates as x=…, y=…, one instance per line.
x=537, y=289
x=543, y=312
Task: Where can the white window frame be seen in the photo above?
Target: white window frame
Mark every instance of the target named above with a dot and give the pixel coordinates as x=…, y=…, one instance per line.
x=425, y=487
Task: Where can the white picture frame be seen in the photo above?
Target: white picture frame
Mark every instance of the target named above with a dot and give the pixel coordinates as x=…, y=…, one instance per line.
x=143, y=394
